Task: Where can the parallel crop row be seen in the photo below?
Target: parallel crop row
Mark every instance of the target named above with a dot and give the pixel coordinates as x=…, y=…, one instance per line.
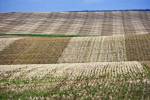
x=102, y=23
x=110, y=80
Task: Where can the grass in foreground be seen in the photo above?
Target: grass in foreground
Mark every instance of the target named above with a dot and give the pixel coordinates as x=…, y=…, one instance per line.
x=122, y=86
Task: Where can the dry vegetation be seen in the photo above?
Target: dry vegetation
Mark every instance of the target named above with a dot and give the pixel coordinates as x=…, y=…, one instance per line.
x=107, y=49
x=114, y=65
x=107, y=80
x=75, y=50
x=138, y=47
x=100, y=23
x=5, y=42
x=33, y=51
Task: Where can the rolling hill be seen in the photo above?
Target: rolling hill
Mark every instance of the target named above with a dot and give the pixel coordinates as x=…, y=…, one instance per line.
x=75, y=55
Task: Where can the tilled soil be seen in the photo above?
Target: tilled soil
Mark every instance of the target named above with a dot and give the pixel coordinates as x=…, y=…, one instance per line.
x=33, y=51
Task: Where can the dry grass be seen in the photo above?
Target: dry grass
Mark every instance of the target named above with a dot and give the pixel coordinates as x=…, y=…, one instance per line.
x=107, y=80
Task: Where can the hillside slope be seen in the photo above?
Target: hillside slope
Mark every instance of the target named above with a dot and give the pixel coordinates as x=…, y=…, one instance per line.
x=75, y=55
x=76, y=23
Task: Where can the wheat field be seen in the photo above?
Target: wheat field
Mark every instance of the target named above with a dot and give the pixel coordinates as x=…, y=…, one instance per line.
x=76, y=23
x=75, y=55
x=105, y=80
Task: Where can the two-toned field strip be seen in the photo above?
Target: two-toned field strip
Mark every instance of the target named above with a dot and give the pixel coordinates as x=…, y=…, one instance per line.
x=77, y=23
x=32, y=50
x=75, y=55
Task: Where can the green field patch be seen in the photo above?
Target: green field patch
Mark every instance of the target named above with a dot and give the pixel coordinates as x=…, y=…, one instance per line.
x=38, y=35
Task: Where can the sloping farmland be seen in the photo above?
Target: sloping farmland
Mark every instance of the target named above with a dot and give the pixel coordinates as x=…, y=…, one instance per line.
x=75, y=55
x=105, y=80
x=76, y=23
x=32, y=50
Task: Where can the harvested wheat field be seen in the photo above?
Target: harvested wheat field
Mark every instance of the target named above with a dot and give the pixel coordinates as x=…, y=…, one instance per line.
x=105, y=80
x=76, y=23
x=75, y=55
x=32, y=50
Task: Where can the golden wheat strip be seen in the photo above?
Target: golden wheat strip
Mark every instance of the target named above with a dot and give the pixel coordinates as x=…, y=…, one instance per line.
x=75, y=50
x=94, y=49
x=113, y=49
x=23, y=71
x=73, y=70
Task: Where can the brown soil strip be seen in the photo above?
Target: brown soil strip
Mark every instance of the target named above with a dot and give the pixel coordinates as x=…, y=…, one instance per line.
x=138, y=47
x=34, y=51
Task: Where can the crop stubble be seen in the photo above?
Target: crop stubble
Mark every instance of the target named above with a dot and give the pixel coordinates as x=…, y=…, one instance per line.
x=90, y=23
x=33, y=51
x=95, y=80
